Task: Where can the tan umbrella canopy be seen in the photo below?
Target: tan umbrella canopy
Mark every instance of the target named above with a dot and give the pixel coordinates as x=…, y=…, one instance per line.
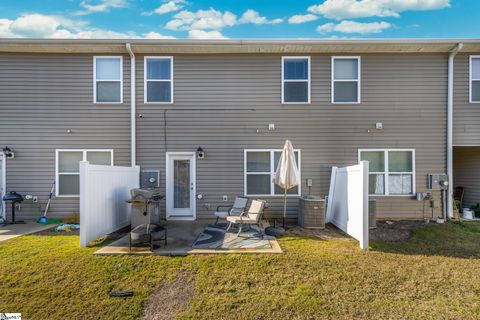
x=287, y=175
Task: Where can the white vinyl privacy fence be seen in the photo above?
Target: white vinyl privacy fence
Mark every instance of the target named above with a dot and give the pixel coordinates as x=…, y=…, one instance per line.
x=348, y=201
x=103, y=194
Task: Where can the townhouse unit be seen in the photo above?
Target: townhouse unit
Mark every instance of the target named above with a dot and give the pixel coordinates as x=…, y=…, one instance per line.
x=409, y=107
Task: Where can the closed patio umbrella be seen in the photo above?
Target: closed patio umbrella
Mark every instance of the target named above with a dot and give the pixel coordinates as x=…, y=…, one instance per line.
x=287, y=175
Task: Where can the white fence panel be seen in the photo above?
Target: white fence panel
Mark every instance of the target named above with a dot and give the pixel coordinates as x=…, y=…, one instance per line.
x=103, y=192
x=348, y=201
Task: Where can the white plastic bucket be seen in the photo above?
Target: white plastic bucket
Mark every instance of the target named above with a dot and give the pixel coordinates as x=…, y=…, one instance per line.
x=467, y=213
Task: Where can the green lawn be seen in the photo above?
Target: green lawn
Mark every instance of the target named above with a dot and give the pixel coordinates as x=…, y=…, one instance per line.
x=433, y=276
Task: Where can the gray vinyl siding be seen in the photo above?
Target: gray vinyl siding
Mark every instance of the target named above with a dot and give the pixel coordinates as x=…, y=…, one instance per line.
x=225, y=103
x=41, y=97
x=466, y=129
x=466, y=173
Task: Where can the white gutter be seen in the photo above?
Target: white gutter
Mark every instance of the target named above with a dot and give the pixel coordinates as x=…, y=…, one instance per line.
x=133, y=112
x=451, y=58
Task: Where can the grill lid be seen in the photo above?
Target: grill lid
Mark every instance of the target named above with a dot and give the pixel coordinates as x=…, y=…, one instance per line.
x=13, y=196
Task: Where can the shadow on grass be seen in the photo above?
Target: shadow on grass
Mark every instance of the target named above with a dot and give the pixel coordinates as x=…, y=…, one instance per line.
x=457, y=239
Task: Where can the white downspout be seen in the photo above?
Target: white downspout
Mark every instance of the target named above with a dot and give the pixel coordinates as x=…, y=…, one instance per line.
x=451, y=59
x=133, y=112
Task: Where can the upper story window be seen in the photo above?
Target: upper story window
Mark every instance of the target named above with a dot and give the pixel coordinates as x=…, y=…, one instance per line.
x=345, y=80
x=158, y=86
x=295, y=80
x=391, y=171
x=108, y=79
x=260, y=166
x=474, y=79
x=68, y=168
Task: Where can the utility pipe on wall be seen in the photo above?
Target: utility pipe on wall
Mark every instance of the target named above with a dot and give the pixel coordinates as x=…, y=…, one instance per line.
x=133, y=112
x=451, y=59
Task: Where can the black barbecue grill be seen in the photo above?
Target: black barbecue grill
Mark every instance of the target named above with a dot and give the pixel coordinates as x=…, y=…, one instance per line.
x=13, y=198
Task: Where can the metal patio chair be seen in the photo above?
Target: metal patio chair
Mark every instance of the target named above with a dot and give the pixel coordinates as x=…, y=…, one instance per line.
x=252, y=217
x=236, y=209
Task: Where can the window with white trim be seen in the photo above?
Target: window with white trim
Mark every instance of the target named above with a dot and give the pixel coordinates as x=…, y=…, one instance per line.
x=391, y=171
x=346, y=79
x=295, y=80
x=474, y=79
x=108, y=79
x=259, y=171
x=67, y=169
x=158, y=86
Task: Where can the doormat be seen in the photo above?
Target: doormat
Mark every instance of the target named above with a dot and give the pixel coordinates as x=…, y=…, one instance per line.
x=214, y=237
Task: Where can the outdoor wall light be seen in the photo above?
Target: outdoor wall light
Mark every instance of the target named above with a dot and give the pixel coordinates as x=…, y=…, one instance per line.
x=8, y=153
x=200, y=153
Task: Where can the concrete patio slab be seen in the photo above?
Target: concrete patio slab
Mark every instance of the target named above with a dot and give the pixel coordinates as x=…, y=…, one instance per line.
x=16, y=230
x=181, y=237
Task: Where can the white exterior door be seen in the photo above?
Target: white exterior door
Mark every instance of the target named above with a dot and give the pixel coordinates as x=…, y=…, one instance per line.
x=3, y=172
x=180, y=180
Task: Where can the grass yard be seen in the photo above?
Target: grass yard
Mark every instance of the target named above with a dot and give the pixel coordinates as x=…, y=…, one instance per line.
x=435, y=275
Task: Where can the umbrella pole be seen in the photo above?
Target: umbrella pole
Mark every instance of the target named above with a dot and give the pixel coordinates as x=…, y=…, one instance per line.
x=285, y=209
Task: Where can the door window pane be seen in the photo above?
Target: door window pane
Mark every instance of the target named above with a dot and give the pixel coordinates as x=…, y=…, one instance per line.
x=295, y=91
x=346, y=69
x=400, y=161
x=376, y=184
x=108, y=91
x=181, y=184
x=159, y=91
x=158, y=69
x=99, y=158
x=108, y=69
x=476, y=68
x=295, y=69
x=69, y=161
x=258, y=162
x=258, y=184
x=375, y=159
x=345, y=91
x=69, y=184
x=400, y=184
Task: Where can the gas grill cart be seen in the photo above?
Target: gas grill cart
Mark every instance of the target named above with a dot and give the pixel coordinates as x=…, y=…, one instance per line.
x=13, y=198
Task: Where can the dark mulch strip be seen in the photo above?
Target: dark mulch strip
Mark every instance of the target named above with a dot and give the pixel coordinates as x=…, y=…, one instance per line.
x=170, y=299
x=398, y=231
x=330, y=232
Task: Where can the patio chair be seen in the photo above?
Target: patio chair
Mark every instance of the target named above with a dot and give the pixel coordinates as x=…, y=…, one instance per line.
x=252, y=217
x=236, y=209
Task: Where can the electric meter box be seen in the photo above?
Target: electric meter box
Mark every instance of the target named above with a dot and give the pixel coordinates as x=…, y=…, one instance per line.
x=437, y=181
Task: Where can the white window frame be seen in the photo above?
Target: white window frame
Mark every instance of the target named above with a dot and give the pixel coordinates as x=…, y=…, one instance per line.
x=387, y=172
x=145, y=81
x=272, y=173
x=84, y=158
x=471, y=78
x=309, y=78
x=358, y=80
x=107, y=80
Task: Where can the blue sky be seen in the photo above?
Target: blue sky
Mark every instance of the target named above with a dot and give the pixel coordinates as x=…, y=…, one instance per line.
x=240, y=19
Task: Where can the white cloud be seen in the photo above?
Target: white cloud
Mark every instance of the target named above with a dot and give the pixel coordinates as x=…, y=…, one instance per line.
x=299, y=18
x=170, y=6
x=101, y=6
x=44, y=26
x=252, y=16
x=156, y=35
x=347, y=9
x=210, y=19
x=354, y=27
x=201, y=34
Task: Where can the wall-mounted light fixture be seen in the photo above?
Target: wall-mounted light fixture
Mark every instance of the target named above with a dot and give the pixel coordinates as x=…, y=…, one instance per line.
x=8, y=153
x=200, y=153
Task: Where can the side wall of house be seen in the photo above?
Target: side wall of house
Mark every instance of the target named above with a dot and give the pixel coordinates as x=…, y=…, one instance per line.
x=41, y=97
x=225, y=103
x=466, y=128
